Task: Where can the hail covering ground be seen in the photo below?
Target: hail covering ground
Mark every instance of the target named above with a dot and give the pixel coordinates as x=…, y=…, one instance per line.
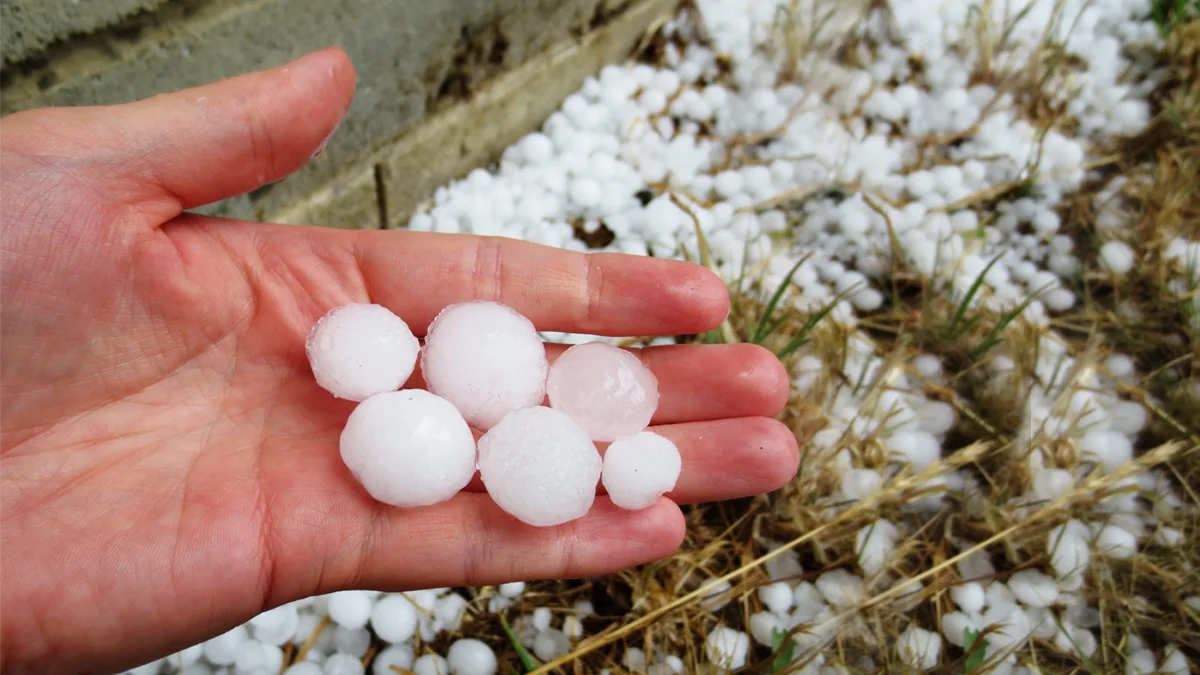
x=845, y=153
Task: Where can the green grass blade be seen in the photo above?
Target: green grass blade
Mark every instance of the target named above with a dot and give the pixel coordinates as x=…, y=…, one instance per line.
x=527, y=659
x=784, y=657
x=966, y=301
x=975, y=647
x=769, y=310
x=802, y=338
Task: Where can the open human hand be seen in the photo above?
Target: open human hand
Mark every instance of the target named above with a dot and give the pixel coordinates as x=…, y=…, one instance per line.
x=169, y=466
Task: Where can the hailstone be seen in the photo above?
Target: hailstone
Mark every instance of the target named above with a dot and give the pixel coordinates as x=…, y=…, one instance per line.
x=409, y=448
x=639, y=469
x=606, y=389
x=471, y=657
x=486, y=359
x=540, y=466
x=359, y=350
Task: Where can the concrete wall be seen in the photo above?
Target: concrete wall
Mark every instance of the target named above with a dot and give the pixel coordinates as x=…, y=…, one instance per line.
x=419, y=63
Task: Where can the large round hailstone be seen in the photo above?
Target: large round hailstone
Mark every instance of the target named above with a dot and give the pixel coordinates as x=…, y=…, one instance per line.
x=359, y=350
x=409, y=448
x=486, y=359
x=604, y=388
x=540, y=467
x=639, y=469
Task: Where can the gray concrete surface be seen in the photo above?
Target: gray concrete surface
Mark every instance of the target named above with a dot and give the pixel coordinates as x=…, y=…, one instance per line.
x=29, y=26
x=414, y=58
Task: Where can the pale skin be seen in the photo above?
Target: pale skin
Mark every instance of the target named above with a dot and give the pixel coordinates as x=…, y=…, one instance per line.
x=169, y=466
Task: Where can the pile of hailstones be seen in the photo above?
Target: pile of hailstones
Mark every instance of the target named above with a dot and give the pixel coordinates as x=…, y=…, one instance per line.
x=485, y=366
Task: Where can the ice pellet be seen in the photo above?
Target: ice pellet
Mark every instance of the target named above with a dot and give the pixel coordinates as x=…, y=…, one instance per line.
x=359, y=350
x=639, y=469
x=409, y=448
x=471, y=657
x=486, y=359
x=539, y=466
x=605, y=389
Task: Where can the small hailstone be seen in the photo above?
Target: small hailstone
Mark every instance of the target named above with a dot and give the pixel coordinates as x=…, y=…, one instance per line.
x=409, y=448
x=841, y=588
x=1033, y=588
x=634, y=659
x=351, y=609
x=1174, y=662
x=1048, y=484
x=1068, y=546
x=394, y=619
x=1141, y=662
x=431, y=664
x=858, y=483
x=716, y=596
x=969, y=597
x=727, y=648
x=486, y=359
x=540, y=467
x=275, y=626
x=607, y=390
x=639, y=469
x=359, y=350
x=342, y=664
x=918, y=448
x=352, y=641
x=1127, y=417
x=551, y=644
x=251, y=656
x=936, y=417
x=223, y=649
x=955, y=625
x=1168, y=537
x=674, y=663
x=762, y=627
x=1116, y=257
x=513, y=589
x=400, y=656
x=449, y=610
x=541, y=618
x=304, y=668
x=471, y=657
x=586, y=192
x=776, y=597
x=919, y=648
x=572, y=627
x=1116, y=542
x=873, y=544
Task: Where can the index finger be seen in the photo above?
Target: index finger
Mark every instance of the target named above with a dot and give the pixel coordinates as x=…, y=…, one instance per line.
x=416, y=274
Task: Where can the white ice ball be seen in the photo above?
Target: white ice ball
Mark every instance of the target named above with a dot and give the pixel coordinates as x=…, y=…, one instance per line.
x=639, y=469
x=551, y=644
x=351, y=609
x=394, y=619
x=397, y=655
x=431, y=664
x=540, y=466
x=727, y=648
x=342, y=664
x=485, y=358
x=471, y=657
x=605, y=389
x=223, y=649
x=1116, y=257
x=359, y=350
x=1033, y=588
x=919, y=648
x=276, y=626
x=409, y=448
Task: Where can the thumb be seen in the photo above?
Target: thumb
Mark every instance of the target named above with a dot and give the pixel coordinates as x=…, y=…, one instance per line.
x=180, y=150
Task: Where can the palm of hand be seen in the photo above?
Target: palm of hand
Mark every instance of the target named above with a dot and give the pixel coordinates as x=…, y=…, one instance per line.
x=169, y=466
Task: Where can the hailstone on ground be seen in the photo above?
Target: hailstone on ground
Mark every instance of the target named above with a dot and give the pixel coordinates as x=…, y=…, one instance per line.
x=637, y=470
x=409, y=448
x=485, y=358
x=359, y=350
x=606, y=389
x=540, y=466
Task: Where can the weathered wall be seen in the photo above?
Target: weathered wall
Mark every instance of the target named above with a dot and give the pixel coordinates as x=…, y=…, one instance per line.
x=417, y=61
